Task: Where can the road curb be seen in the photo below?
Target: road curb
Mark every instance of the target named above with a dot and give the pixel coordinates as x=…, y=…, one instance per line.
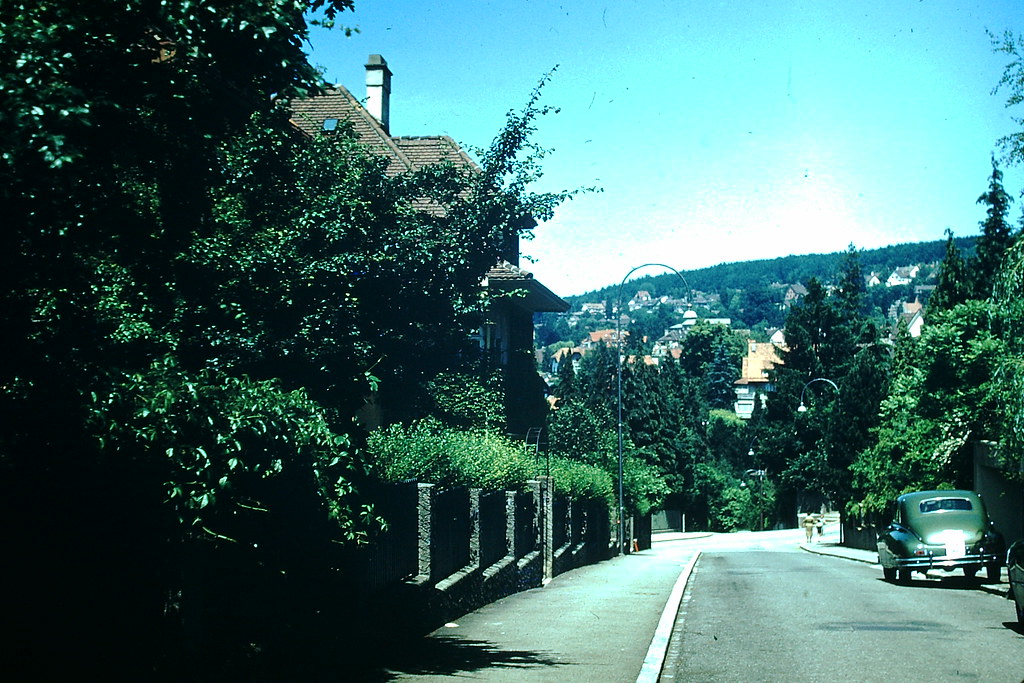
x=841, y=553
x=650, y=672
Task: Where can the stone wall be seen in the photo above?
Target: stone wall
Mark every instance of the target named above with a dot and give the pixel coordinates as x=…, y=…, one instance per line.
x=449, y=552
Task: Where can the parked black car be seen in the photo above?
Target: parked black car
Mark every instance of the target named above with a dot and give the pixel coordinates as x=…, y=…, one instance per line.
x=940, y=530
x=1015, y=575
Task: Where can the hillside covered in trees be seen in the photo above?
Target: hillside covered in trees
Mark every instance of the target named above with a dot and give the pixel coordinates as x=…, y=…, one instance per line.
x=752, y=294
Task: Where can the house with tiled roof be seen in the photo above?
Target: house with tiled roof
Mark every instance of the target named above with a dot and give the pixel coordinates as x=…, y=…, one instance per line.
x=516, y=295
x=754, y=384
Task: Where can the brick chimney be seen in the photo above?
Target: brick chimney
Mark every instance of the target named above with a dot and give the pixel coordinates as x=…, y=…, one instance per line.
x=378, y=90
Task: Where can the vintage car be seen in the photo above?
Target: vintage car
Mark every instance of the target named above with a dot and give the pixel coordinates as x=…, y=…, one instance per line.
x=1015, y=575
x=940, y=530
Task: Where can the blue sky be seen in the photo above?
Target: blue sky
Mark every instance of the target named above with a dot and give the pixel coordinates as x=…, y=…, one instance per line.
x=719, y=132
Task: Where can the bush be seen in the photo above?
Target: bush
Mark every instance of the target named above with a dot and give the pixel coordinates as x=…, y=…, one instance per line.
x=580, y=481
x=645, y=487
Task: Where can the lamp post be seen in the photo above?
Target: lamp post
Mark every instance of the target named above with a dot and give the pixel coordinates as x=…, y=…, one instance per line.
x=618, y=374
x=760, y=474
x=803, y=408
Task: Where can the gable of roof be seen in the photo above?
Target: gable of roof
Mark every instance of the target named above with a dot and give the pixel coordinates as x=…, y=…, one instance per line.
x=405, y=154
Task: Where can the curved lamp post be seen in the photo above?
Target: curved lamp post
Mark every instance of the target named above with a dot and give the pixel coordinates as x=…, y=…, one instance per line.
x=618, y=374
x=803, y=407
x=760, y=474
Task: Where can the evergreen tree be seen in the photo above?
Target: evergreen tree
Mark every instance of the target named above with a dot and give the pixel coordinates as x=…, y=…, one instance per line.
x=850, y=292
x=721, y=374
x=996, y=236
x=953, y=286
x=566, y=387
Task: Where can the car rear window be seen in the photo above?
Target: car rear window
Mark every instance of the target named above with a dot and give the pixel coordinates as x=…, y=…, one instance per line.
x=940, y=504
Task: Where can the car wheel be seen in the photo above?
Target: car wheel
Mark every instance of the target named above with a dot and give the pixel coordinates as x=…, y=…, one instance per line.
x=904, y=575
x=889, y=573
x=993, y=573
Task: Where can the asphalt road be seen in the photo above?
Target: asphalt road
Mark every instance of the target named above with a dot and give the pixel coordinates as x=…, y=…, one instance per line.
x=757, y=608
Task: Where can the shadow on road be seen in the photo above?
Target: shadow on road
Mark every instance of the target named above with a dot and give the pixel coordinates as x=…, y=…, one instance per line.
x=1015, y=626
x=961, y=583
x=442, y=655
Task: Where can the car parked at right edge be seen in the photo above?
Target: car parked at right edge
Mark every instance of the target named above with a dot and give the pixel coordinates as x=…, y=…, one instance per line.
x=1015, y=575
x=940, y=530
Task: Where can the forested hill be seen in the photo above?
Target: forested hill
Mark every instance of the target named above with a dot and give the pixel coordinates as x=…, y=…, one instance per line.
x=755, y=275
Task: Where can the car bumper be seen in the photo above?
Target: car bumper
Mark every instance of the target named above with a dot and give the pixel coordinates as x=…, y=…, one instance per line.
x=942, y=562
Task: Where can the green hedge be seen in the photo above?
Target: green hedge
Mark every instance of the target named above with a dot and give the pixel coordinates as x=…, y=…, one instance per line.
x=431, y=453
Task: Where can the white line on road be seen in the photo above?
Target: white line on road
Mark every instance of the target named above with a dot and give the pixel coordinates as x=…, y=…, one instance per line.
x=655, y=659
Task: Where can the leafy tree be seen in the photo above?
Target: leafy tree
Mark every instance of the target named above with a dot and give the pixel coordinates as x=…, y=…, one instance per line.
x=1012, y=80
x=582, y=430
x=1009, y=373
x=703, y=342
x=196, y=300
x=941, y=399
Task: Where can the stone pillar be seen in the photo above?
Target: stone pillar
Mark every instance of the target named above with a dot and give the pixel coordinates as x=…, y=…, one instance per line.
x=547, y=526
x=424, y=512
x=510, y=524
x=474, y=527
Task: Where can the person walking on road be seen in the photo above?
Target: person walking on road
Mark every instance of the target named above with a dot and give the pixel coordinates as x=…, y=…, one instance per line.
x=809, y=523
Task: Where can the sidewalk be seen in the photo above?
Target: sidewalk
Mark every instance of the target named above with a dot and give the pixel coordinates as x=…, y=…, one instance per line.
x=836, y=550
x=594, y=623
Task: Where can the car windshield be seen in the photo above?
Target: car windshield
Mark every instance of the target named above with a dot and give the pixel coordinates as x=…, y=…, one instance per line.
x=943, y=504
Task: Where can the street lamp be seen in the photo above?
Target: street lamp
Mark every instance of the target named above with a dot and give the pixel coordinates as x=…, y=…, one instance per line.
x=803, y=408
x=760, y=474
x=618, y=374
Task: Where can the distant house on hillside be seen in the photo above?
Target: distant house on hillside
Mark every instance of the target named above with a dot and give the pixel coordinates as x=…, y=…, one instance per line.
x=791, y=294
x=903, y=275
x=642, y=299
x=599, y=338
x=508, y=336
x=753, y=384
x=909, y=314
x=566, y=355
